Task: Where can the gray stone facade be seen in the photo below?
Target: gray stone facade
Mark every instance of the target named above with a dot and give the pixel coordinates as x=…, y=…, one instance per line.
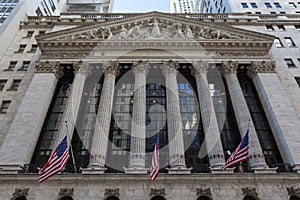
x=149, y=38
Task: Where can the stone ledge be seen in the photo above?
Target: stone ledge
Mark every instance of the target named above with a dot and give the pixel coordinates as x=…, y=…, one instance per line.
x=135, y=170
x=179, y=170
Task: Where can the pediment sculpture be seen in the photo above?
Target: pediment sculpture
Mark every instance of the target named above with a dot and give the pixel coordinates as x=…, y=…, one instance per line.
x=155, y=30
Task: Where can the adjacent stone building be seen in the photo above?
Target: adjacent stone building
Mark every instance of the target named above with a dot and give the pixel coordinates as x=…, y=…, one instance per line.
x=111, y=82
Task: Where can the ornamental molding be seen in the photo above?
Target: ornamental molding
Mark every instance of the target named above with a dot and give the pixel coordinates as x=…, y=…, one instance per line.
x=49, y=67
x=203, y=191
x=158, y=192
x=199, y=68
x=293, y=190
x=261, y=67
x=65, y=54
x=111, y=192
x=112, y=67
x=66, y=192
x=249, y=191
x=20, y=192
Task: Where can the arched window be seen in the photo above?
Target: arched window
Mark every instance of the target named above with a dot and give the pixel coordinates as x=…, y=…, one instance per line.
x=203, y=198
x=293, y=197
x=249, y=198
x=66, y=198
x=21, y=198
x=113, y=198
x=158, y=198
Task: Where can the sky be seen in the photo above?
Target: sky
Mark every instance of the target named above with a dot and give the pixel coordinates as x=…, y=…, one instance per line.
x=141, y=6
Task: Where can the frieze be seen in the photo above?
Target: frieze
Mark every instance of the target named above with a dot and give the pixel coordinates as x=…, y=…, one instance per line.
x=65, y=54
x=242, y=54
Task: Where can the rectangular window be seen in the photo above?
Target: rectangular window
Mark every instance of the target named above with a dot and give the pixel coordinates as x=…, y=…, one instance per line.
x=25, y=65
x=42, y=32
x=29, y=34
x=298, y=60
x=298, y=80
x=289, y=62
x=289, y=42
x=12, y=65
x=21, y=48
x=2, y=84
x=292, y=5
x=283, y=12
x=33, y=48
x=253, y=5
x=277, y=5
x=244, y=5
x=269, y=27
x=268, y=5
x=4, y=106
x=273, y=13
x=277, y=42
x=297, y=27
x=15, y=85
x=281, y=27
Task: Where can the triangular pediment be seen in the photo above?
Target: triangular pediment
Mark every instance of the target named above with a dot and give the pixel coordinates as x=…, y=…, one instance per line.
x=154, y=26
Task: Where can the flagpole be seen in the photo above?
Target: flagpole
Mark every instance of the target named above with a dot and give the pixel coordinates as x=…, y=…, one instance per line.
x=72, y=154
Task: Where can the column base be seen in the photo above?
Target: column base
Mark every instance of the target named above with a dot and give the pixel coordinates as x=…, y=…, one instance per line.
x=93, y=169
x=221, y=171
x=296, y=168
x=10, y=169
x=265, y=170
x=179, y=170
x=135, y=170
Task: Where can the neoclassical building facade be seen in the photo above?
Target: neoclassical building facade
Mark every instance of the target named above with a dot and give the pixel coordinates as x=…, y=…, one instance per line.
x=111, y=83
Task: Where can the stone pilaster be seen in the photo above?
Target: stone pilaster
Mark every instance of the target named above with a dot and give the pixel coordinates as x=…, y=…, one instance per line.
x=23, y=135
x=176, y=145
x=209, y=120
x=277, y=104
x=242, y=114
x=138, y=126
x=102, y=125
x=71, y=110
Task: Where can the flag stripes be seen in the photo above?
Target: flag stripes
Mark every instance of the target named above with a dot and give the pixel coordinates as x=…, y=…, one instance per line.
x=155, y=160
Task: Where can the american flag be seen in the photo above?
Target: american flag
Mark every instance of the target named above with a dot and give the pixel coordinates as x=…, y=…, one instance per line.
x=155, y=160
x=56, y=162
x=240, y=154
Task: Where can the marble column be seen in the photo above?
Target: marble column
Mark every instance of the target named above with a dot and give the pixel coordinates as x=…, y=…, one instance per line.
x=102, y=124
x=25, y=129
x=138, y=126
x=71, y=110
x=279, y=111
x=242, y=114
x=209, y=120
x=175, y=134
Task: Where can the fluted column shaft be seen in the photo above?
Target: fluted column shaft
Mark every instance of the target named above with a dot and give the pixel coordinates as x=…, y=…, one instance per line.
x=210, y=125
x=71, y=110
x=175, y=135
x=102, y=125
x=138, y=126
x=242, y=114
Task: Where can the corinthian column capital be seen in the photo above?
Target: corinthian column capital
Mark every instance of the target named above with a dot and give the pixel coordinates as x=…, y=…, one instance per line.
x=227, y=68
x=261, y=67
x=49, y=67
x=140, y=67
x=81, y=68
x=199, y=67
x=112, y=67
x=170, y=67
